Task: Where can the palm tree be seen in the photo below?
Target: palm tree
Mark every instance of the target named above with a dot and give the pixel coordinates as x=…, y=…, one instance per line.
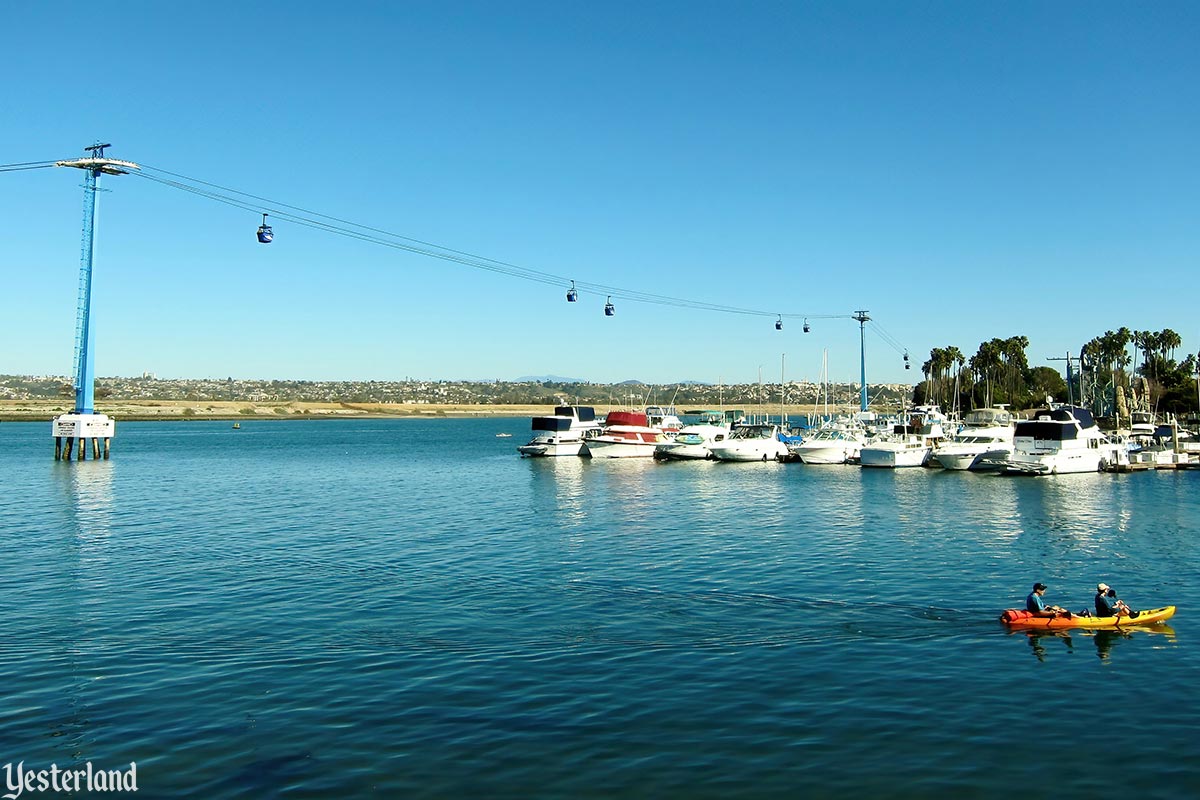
x=986, y=362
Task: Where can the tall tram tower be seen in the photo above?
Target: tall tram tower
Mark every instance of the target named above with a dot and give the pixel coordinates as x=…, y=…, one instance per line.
x=84, y=423
x=863, y=319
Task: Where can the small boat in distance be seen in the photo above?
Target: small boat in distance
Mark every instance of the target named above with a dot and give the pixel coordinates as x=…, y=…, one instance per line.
x=503, y=435
x=237, y=426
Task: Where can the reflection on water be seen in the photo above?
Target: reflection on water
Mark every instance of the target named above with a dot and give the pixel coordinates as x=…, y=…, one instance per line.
x=87, y=487
x=560, y=479
x=1104, y=640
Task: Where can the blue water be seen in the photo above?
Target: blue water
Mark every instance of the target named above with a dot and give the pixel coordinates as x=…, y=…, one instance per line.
x=405, y=608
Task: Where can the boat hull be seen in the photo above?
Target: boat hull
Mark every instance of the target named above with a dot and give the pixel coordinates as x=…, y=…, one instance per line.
x=975, y=460
x=1060, y=463
x=893, y=459
x=603, y=447
x=826, y=455
x=682, y=452
x=1150, y=616
x=537, y=449
x=767, y=452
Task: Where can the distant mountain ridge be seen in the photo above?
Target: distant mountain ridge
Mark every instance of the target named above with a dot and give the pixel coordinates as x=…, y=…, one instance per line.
x=630, y=382
x=550, y=378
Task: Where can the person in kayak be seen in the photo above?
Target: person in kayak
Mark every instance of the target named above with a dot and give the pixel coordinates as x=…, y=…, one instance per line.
x=1036, y=606
x=1109, y=605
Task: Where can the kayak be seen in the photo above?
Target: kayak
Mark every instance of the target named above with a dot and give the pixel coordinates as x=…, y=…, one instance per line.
x=1020, y=619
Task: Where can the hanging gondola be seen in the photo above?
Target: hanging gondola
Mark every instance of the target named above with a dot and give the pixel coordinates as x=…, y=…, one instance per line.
x=779, y=323
x=265, y=234
x=906, y=364
x=572, y=295
x=807, y=328
x=608, y=307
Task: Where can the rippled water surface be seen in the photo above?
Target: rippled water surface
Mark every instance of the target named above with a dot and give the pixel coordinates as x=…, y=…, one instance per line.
x=405, y=608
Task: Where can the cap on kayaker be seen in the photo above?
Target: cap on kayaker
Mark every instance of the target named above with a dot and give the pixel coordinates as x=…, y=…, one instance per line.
x=1039, y=587
x=1102, y=587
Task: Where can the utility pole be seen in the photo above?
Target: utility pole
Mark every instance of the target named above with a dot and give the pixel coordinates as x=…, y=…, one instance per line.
x=1070, y=389
x=84, y=423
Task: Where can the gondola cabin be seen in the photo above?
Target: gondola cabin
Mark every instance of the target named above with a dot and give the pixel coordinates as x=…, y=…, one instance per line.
x=265, y=234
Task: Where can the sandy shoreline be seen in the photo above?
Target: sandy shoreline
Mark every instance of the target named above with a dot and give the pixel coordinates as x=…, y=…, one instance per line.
x=140, y=410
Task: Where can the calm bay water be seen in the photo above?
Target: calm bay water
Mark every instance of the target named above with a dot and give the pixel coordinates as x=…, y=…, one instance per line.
x=405, y=608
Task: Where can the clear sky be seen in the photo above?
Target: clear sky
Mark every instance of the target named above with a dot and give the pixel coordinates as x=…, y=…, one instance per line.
x=962, y=171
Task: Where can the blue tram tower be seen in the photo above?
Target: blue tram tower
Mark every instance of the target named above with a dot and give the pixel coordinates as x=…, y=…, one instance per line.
x=83, y=423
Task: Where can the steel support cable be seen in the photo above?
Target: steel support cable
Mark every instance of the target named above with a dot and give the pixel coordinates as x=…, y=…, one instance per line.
x=432, y=250
x=26, y=165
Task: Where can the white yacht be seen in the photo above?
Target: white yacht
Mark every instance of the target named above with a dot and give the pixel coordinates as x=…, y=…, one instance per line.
x=1061, y=439
x=984, y=443
x=563, y=433
x=834, y=442
x=910, y=443
x=756, y=441
x=692, y=441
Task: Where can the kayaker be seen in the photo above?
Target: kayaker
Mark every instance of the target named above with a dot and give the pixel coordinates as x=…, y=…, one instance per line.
x=1036, y=606
x=1108, y=604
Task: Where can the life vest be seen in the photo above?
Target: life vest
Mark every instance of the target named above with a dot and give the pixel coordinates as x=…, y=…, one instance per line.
x=1014, y=614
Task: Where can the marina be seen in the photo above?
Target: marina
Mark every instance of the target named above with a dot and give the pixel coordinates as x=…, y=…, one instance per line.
x=392, y=615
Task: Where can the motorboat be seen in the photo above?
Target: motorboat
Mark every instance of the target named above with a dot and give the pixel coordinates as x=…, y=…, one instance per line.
x=664, y=418
x=754, y=441
x=911, y=441
x=1169, y=445
x=627, y=434
x=1062, y=439
x=834, y=442
x=562, y=433
x=693, y=441
x=984, y=442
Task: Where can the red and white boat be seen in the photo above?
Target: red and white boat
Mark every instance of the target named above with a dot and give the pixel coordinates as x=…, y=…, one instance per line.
x=633, y=434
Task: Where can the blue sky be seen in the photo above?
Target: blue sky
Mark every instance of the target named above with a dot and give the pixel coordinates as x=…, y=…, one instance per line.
x=962, y=171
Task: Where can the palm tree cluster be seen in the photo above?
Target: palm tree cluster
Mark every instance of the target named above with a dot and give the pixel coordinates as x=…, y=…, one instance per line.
x=999, y=372
x=1169, y=382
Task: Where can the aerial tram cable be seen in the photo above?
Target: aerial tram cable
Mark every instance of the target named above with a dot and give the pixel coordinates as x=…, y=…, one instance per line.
x=342, y=227
x=26, y=165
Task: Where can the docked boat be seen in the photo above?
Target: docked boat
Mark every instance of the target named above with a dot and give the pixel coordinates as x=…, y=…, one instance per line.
x=693, y=441
x=835, y=442
x=563, y=433
x=628, y=434
x=756, y=441
x=910, y=442
x=1062, y=439
x=983, y=444
x=1019, y=618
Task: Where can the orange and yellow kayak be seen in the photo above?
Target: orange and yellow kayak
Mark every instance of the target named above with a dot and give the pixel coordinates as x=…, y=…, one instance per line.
x=1020, y=619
